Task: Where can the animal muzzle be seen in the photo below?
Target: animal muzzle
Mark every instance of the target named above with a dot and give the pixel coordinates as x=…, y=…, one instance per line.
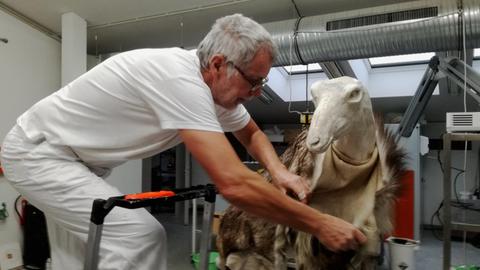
x=318, y=144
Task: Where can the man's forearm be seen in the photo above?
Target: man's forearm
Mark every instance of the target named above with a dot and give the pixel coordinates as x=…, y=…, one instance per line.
x=263, y=151
x=254, y=195
x=259, y=146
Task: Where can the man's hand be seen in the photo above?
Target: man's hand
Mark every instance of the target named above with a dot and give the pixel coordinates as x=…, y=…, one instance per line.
x=286, y=181
x=338, y=235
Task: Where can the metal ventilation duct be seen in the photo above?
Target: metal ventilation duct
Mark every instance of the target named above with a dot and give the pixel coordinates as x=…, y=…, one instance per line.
x=411, y=27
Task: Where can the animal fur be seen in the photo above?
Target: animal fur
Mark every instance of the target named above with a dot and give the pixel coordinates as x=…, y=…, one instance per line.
x=244, y=236
x=247, y=242
x=310, y=254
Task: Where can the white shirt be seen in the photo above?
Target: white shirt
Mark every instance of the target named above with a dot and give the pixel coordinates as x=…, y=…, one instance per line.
x=129, y=107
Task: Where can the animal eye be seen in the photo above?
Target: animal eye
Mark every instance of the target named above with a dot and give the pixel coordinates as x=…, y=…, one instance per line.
x=354, y=93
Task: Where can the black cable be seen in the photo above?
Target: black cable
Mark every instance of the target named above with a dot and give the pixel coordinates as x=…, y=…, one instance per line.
x=295, y=41
x=461, y=15
x=437, y=215
x=441, y=164
x=296, y=8
x=15, y=206
x=477, y=190
x=440, y=161
x=307, y=108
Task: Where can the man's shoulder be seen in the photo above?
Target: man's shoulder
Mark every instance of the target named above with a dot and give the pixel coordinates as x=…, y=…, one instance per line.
x=151, y=53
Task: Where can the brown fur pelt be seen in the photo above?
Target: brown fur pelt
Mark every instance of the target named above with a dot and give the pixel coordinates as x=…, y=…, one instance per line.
x=247, y=242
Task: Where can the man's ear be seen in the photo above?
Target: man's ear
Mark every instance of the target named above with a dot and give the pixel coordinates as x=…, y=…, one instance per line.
x=217, y=61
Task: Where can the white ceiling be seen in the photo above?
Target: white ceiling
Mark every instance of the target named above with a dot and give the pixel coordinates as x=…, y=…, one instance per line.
x=128, y=24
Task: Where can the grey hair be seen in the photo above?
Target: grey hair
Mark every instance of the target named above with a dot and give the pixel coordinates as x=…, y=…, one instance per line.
x=238, y=38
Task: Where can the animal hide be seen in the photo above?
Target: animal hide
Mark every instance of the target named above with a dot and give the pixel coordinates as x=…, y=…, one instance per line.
x=344, y=185
x=248, y=242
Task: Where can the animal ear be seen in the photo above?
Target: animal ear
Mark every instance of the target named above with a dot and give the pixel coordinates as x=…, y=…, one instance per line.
x=314, y=93
x=354, y=95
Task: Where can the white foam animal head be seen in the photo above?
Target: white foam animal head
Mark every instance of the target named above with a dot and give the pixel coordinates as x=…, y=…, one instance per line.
x=339, y=104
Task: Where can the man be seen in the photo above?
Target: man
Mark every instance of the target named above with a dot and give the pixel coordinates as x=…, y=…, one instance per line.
x=137, y=104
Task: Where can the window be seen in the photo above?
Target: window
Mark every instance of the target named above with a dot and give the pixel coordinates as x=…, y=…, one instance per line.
x=302, y=69
x=408, y=59
x=400, y=60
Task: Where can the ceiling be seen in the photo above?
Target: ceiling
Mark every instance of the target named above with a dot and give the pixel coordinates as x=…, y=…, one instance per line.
x=120, y=25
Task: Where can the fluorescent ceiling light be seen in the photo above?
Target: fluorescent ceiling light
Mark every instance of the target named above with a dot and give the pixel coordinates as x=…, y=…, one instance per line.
x=299, y=69
x=401, y=59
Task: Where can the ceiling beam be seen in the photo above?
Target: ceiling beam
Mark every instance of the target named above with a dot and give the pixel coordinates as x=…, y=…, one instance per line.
x=335, y=69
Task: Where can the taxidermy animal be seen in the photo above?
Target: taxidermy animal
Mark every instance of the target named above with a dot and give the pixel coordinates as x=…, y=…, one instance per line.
x=353, y=165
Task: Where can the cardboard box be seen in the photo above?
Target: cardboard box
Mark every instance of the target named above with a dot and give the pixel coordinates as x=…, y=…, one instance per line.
x=216, y=222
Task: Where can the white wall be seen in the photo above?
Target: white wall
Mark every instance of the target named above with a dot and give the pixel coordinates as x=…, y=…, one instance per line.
x=200, y=177
x=74, y=47
x=127, y=177
x=29, y=71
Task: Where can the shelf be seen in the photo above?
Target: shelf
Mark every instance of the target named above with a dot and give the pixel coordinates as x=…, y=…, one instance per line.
x=465, y=226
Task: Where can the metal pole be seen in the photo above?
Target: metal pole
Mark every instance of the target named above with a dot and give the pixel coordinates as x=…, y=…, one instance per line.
x=446, y=201
x=93, y=246
x=187, y=184
x=100, y=209
x=206, y=235
x=194, y=226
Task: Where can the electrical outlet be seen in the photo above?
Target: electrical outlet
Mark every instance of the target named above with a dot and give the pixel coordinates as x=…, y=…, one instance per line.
x=10, y=257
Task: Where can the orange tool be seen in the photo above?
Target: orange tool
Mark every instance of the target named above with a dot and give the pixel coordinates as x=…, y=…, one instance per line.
x=150, y=195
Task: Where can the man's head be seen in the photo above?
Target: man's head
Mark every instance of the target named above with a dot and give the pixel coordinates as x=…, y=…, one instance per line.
x=236, y=37
x=236, y=54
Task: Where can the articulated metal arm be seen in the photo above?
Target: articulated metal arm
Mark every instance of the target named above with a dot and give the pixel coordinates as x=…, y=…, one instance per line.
x=450, y=67
x=420, y=99
x=455, y=69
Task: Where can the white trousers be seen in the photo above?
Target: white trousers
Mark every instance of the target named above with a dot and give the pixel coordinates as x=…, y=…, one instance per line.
x=54, y=180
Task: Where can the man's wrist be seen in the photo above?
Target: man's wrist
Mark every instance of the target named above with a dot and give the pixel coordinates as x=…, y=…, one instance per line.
x=277, y=171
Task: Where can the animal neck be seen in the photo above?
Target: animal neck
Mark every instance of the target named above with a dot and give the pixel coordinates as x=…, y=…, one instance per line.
x=359, y=143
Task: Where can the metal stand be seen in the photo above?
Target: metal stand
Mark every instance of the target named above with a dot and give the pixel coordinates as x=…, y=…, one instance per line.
x=448, y=225
x=101, y=208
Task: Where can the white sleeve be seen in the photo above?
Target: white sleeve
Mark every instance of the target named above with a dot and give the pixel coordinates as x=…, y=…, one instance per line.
x=234, y=119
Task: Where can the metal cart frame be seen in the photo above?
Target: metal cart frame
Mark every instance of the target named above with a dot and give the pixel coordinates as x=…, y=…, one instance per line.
x=101, y=208
x=448, y=223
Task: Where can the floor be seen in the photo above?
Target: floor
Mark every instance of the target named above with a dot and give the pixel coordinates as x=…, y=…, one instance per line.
x=428, y=256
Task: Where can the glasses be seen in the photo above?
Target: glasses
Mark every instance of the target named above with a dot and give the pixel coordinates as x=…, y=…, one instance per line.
x=255, y=84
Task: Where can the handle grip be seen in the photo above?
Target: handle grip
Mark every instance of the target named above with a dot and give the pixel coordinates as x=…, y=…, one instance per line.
x=150, y=195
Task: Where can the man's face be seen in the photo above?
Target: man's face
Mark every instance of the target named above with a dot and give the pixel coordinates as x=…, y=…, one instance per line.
x=244, y=83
